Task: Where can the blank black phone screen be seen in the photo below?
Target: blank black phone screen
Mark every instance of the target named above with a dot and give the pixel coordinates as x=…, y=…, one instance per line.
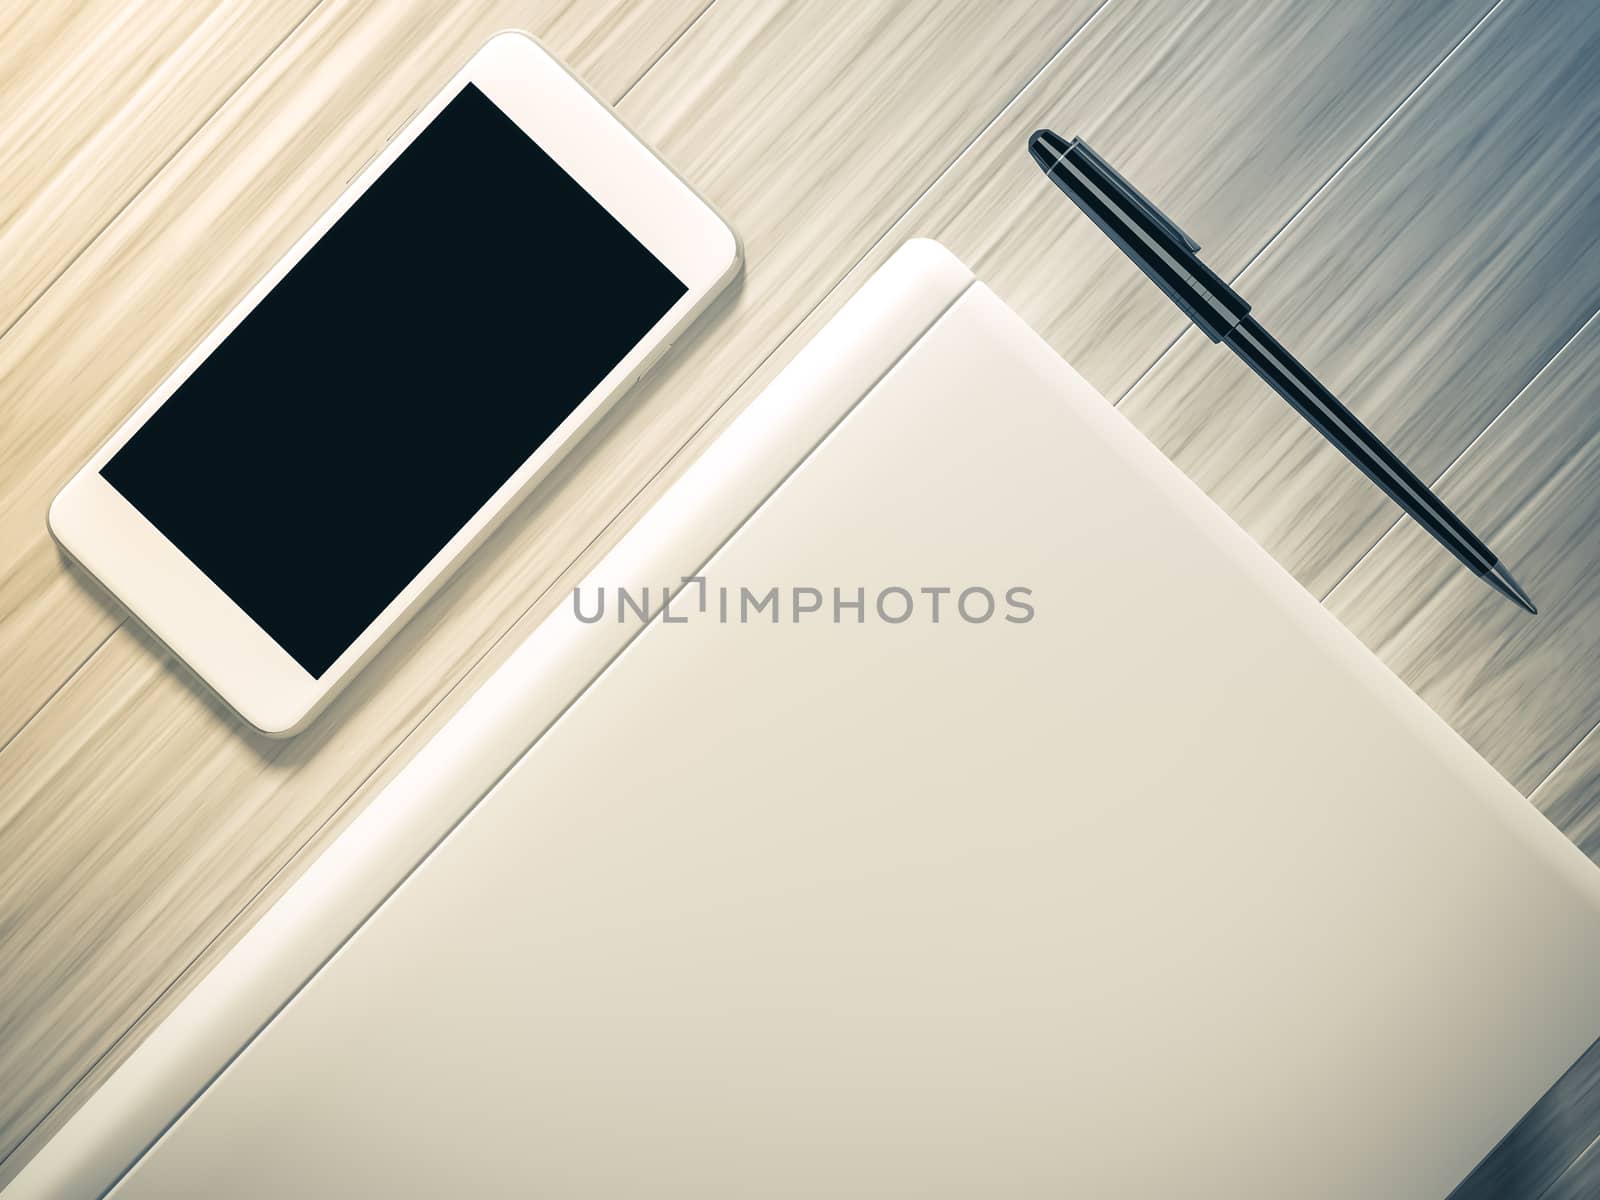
x=393, y=380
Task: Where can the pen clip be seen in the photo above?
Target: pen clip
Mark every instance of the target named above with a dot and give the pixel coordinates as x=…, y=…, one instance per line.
x=1137, y=198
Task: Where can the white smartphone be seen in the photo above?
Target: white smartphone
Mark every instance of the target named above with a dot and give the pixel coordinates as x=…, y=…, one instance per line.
x=487, y=285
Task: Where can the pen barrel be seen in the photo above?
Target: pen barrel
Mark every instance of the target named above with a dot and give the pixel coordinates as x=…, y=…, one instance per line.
x=1149, y=241
x=1323, y=411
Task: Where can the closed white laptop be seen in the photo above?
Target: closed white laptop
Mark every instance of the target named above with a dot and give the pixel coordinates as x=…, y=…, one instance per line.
x=1161, y=887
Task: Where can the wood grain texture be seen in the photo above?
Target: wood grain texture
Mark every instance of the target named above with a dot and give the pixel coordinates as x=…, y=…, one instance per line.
x=1236, y=167
x=235, y=198
x=1523, y=690
x=144, y=828
x=1570, y=796
x=1426, y=286
x=1538, y=1151
x=1580, y=1181
x=101, y=937
x=105, y=903
x=96, y=95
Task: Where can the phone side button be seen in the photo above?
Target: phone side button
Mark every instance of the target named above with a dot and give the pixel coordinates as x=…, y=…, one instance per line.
x=649, y=363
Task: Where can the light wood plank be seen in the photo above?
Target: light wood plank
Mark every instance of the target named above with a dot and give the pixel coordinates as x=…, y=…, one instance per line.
x=730, y=105
x=110, y=905
x=94, y=97
x=1523, y=690
x=1426, y=286
x=1571, y=795
x=275, y=160
x=996, y=175
x=1236, y=165
x=130, y=695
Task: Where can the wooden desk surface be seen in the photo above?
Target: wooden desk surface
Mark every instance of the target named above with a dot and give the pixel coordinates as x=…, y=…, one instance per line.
x=1409, y=194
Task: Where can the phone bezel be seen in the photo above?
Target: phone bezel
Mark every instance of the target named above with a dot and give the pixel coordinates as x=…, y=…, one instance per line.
x=171, y=596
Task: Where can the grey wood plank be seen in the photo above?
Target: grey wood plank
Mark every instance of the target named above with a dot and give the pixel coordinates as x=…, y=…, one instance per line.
x=1230, y=116
x=1539, y=1150
x=1581, y=1181
x=1426, y=286
x=146, y=818
x=1570, y=796
x=1209, y=129
x=1523, y=690
x=126, y=726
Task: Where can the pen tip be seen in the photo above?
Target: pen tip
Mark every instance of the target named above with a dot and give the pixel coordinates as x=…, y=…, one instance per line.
x=1501, y=580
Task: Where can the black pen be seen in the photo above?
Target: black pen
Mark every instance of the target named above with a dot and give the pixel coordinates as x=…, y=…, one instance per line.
x=1167, y=255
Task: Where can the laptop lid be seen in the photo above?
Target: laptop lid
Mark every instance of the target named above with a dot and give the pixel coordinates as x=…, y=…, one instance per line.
x=1145, y=880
